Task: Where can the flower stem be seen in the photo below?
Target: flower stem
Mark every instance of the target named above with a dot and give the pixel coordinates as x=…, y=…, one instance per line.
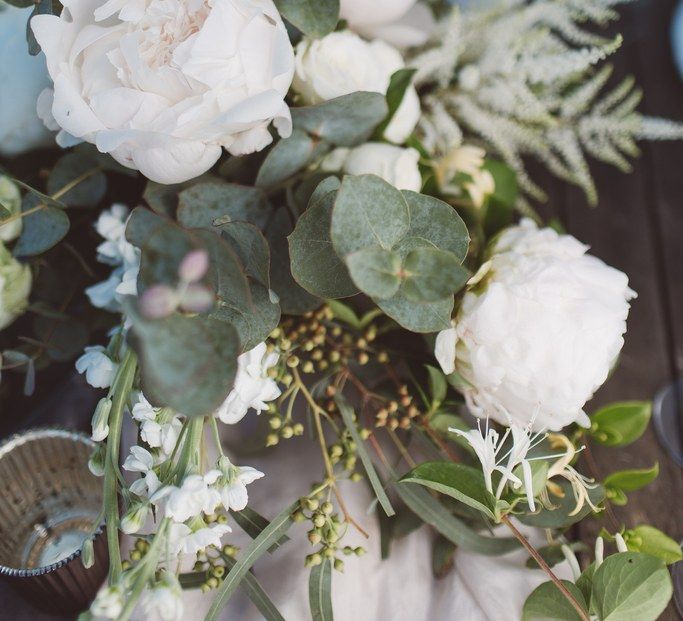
x=123, y=384
x=190, y=449
x=546, y=568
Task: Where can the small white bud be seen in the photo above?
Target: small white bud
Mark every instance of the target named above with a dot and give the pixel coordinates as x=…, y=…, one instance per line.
x=621, y=544
x=88, y=554
x=100, y=420
x=197, y=299
x=599, y=551
x=135, y=518
x=571, y=559
x=96, y=461
x=158, y=301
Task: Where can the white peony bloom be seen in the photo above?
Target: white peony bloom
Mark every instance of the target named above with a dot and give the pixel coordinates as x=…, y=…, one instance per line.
x=23, y=77
x=164, y=85
x=194, y=497
x=342, y=63
x=98, y=367
x=165, y=599
x=395, y=165
x=10, y=199
x=538, y=331
x=109, y=603
x=402, y=23
x=253, y=388
x=15, y=287
x=233, y=484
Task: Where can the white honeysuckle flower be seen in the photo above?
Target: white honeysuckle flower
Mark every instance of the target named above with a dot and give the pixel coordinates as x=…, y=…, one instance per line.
x=621, y=544
x=232, y=485
x=194, y=497
x=109, y=603
x=142, y=461
x=538, y=330
x=341, y=63
x=599, y=551
x=164, y=599
x=98, y=367
x=403, y=23
x=129, y=283
x=253, y=388
x=396, y=165
x=164, y=85
x=183, y=539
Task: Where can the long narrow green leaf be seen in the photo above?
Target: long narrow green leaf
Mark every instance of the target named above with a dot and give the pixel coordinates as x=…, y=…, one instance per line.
x=347, y=415
x=253, y=524
x=423, y=504
x=270, y=534
x=256, y=594
x=320, y=591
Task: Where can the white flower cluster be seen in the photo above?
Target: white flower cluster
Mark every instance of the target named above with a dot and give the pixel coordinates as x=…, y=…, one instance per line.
x=539, y=329
x=116, y=251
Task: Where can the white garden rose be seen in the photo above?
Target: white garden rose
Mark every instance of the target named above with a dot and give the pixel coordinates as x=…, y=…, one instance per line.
x=402, y=23
x=164, y=85
x=15, y=287
x=342, y=63
x=539, y=329
x=395, y=165
x=22, y=77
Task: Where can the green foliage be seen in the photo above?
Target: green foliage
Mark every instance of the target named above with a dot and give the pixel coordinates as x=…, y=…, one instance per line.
x=255, y=592
x=547, y=603
x=42, y=229
x=253, y=523
x=80, y=171
x=188, y=363
x=650, y=540
x=437, y=387
x=399, y=83
x=630, y=587
x=320, y=591
x=617, y=483
x=620, y=424
x=461, y=482
x=314, y=18
x=552, y=554
x=560, y=516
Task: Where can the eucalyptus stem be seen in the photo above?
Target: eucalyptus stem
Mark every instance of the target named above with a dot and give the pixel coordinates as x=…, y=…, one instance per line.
x=546, y=568
x=123, y=384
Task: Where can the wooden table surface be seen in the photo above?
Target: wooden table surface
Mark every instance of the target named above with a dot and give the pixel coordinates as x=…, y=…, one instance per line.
x=638, y=228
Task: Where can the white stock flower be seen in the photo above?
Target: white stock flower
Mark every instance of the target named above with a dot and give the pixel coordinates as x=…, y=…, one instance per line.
x=194, y=497
x=23, y=77
x=136, y=516
x=185, y=540
x=15, y=287
x=141, y=460
x=159, y=427
x=538, y=331
x=164, y=599
x=342, y=63
x=395, y=165
x=253, y=388
x=109, y=603
x=232, y=485
x=10, y=199
x=164, y=85
x=98, y=367
x=402, y=23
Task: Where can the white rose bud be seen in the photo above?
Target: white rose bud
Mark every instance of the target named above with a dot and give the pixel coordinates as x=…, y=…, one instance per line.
x=342, y=63
x=10, y=199
x=165, y=85
x=22, y=77
x=395, y=165
x=15, y=287
x=539, y=329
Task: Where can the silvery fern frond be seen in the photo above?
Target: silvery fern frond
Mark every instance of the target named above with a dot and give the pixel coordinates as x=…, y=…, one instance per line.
x=528, y=79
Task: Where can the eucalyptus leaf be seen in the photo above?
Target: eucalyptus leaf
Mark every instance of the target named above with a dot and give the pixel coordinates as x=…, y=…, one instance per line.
x=200, y=205
x=399, y=83
x=461, y=482
x=288, y=157
x=344, y=121
x=42, y=229
x=142, y=224
x=619, y=424
x=432, y=274
x=547, y=603
x=85, y=177
x=315, y=18
x=375, y=271
x=630, y=586
x=320, y=591
x=251, y=247
x=272, y=533
x=63, y=338
x=188, y=363
x=315, y=265
x=368, y=211
x=427, y=317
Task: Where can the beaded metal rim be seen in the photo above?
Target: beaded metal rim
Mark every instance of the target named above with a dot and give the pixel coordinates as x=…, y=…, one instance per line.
x=19, y=439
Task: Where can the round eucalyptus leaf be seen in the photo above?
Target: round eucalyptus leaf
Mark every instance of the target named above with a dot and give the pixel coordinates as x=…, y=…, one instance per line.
x=432, y=274
x=375, y=271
